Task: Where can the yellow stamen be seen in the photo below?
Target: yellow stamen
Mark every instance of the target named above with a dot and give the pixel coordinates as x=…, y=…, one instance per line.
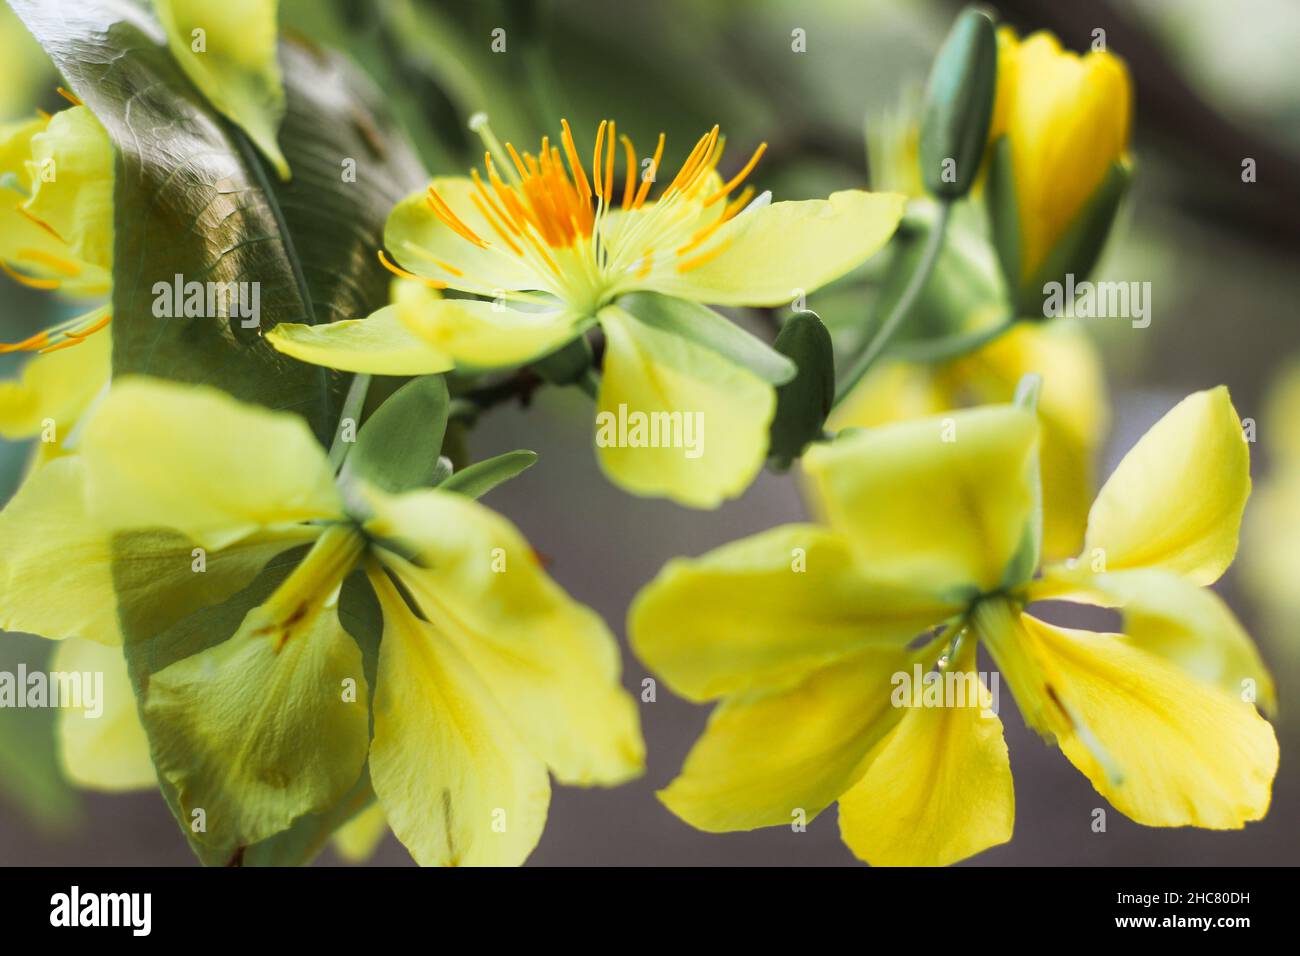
x=737, y=179
x=654, y=172
x=69, y=96
x=739, y=203
x=443, y=211
x=397, y=270
x=57, y=263
x=688, y=264
x=32, y=282
x=595, y=157
x=42, y=223
x=575, y=166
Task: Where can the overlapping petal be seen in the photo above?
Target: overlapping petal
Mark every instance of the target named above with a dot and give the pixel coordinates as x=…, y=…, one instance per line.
x=768, y=755
x=1182, y=752
x=944, y=502
x=767, y=610
x=159, y=454
x=937, y=790
x=458, y=786
x=549, y=663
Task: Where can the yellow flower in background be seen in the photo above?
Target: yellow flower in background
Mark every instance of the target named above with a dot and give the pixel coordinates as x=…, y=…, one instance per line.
x=803, y=632
x=499, y=678
x=56, y=233
x=558, y=251
x=1273, y=525
x=1062, y=124
x=1072, y=409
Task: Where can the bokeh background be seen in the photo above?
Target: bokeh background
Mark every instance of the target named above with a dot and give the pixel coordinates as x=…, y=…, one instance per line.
x=1215, y=83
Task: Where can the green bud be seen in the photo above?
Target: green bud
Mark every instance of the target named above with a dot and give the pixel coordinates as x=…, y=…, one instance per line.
x=802, y=403
x=958, y=106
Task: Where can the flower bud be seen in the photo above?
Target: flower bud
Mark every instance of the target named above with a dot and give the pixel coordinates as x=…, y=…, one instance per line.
x=1058, y=165
x=958, y=106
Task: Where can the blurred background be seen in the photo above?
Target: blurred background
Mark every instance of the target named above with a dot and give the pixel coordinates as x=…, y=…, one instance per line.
x=1215, y=84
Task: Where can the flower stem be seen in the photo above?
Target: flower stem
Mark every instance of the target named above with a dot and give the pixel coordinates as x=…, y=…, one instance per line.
x=352, y=404
x=894, y=321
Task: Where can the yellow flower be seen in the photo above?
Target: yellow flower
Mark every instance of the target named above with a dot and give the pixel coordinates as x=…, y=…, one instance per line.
x=558, y=251
x=1072, y=409
x=56, y=232
x=497, y=677
x=806, y=633
x=1065, y=120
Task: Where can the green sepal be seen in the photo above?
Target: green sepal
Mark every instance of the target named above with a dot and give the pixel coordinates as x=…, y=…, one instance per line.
x=802, y=403
x=958, y=105
x=481, y=477
x=1079, y=248
x=398, y=447
x=1004, y=214
x=701, y=325
x=568, y=364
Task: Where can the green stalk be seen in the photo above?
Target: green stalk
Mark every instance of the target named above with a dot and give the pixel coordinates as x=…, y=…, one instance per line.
x=352, y=404
x=894, y=321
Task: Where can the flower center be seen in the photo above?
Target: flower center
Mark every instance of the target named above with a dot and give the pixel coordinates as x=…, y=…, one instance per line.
x=543, y=209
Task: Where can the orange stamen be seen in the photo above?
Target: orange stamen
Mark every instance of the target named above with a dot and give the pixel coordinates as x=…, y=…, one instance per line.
x=630, y=181
x=654, y=172
x=69, y=96
x=397, y=270
x=32, y=282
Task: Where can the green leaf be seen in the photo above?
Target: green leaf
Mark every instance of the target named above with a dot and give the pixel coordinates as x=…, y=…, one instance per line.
x=482, y=476
x=397, y=448
x=803, y=403
x=702, y=325
x=193, y=198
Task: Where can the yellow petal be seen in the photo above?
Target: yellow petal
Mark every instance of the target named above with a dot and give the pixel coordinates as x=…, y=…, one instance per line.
x=767, y=756
x=1176, y=499
x=1167, y=615
x=62, y=576
x=766, y=610
x=380, y=344
x=457, y=784
x=1164, y=748
x=72, y=185
x=424, y=244
x=237, y=68
x=774, y=253
x=945, y=501
x=548, y=662
x=676, y=419
x=55, y=566
x=197, y=460
x=261, y=728
x=486, y=335
x=357, y=840
x=103, y=747
x=938, y=788
x=56, y=388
